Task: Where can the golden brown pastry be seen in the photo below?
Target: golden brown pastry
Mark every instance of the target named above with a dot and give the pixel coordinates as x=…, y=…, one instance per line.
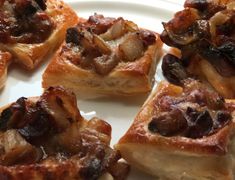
x=204, y=33
x=47, y=138
x=32, y=29
x=5, y=60
x=183, y=133
x=105, y=56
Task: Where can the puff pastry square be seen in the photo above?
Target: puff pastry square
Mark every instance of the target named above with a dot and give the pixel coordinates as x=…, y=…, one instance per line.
x=204, y=34
x=183, y=133
x=105, y=56
x=32, y=29
x=47, y=138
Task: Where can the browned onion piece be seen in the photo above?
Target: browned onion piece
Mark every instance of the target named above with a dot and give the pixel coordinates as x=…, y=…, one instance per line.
x=60, y=106
x=131, y=48
x=131, y=26
x=101, y=45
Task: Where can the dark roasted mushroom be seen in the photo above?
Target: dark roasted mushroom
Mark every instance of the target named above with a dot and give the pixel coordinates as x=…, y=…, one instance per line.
x=168, y=124
x=173, y=70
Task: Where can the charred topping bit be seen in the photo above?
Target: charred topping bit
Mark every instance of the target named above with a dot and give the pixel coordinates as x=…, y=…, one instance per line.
x=24, y=21
x=204, y=28
x=103, y=42
x=52, y=129
x=196, y=113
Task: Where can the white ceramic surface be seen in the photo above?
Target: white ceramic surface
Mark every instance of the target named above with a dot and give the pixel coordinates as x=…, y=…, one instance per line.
x=118, y=112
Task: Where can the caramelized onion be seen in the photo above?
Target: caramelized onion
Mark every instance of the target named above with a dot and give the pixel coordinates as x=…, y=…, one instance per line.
x=131, y=48
x=101, y=45
x=115, y=31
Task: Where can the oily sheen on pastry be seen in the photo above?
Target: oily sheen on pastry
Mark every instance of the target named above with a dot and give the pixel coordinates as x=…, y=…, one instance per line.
x=105, y=56
x=204, y=34
x=183, y=133
x=47, y=138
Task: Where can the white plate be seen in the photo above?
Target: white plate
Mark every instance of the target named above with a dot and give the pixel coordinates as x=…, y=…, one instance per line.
x=120, y=112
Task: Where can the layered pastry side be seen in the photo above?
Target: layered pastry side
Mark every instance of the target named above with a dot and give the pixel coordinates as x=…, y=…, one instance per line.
x=31, y=29
x=47, y=138
x=204, y=35
x=106, y=56
x=183, y=133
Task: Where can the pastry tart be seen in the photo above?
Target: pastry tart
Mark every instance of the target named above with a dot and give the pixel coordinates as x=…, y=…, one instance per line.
x=183, y=133
x=105, y=56
x=47, y=138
